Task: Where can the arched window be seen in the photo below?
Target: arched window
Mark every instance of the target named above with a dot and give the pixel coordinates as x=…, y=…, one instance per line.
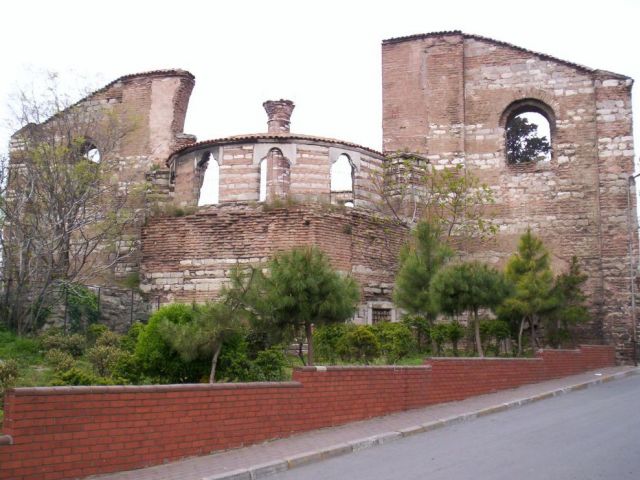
x=274, y=176
x=528, y=132
x=342, y=181
x=91, y=152
x=210, y=190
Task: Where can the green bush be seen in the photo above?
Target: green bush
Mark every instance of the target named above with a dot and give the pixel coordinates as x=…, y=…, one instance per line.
x=439, y=335
x=8, y=376
x=326, y=339
x=103, y=359
x=395, y=339
x=94, y=331
x=421, y=330
x=157, y=360
x=455, y=332
x=55, y=339
x=359, y=344
x=59, y=360
x=271, y=364
x=82, y=307
x=130, y=339
x=76, y=376
x=109, y=339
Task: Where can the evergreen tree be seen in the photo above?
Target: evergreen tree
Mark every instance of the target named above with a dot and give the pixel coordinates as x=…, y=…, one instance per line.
x=302, y=290
x=523, y=142
x=419, y=262
x=571, y=309
x=212, y=323
x=529, y=272
x=468, y=287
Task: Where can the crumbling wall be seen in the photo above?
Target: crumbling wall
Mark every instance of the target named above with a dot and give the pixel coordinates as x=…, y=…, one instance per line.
x=189, y=258
x=446, y=96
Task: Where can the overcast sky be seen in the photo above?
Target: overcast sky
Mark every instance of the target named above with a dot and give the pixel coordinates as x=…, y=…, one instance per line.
x=323, y=55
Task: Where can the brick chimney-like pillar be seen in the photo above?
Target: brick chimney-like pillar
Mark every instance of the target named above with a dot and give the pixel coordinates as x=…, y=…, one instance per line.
x=279, y=112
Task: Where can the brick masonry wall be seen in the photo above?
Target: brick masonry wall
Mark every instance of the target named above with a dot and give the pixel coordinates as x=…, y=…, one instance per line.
x=445, y=97
x=69, y=432
x=190, y=258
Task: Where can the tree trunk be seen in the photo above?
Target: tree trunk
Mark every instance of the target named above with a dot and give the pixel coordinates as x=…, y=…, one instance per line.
x=520, y=330
x=309, y=331
x=533, y=336
x=300, y=354
x=476, y=326
x=214, y=362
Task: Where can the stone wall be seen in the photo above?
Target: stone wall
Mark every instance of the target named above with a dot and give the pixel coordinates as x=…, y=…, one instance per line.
x=189, y=258
x=446, y=96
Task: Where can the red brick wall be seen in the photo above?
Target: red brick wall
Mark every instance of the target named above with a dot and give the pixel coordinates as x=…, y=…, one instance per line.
x=68, y=432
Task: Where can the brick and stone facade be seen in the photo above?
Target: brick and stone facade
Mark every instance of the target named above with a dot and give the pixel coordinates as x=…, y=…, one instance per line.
x=446, y=97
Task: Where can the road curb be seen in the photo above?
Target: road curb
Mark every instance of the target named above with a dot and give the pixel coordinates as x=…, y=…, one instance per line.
x=313, y=456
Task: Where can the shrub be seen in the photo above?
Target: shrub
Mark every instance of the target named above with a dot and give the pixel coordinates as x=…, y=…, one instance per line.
x=82, y=307
x=455, y=332
x=130, y=339
x=157, y=359
x=76, y=376
x=359, y=344
x=396, y=340
x=326, y=339
x=270, y=364
x=59, y=360
x=104, y=358
x=422, y=331
x=94, y=331
x=8, y=376
x=439, y=335
x=55, y=339
x=109, y=339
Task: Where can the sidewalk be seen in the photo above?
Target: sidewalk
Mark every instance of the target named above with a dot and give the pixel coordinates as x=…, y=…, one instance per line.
x=260, y=460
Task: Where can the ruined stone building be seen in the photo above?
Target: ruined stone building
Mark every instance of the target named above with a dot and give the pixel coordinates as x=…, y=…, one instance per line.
x=448, y=97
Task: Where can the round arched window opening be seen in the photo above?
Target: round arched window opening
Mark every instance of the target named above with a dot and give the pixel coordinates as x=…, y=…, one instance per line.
x=528, y=133
x=91, y=152
x=210, y=189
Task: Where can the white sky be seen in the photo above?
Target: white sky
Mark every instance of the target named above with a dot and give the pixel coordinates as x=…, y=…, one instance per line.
x=325, y=56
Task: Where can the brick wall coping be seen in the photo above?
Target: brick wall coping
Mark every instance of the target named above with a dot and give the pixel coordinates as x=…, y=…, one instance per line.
x=342, y=368
x=492, y=359
x=185, y=387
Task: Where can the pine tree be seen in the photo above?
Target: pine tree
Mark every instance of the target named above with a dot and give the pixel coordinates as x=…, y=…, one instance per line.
x=571, y=309
x=468, y=287
x=302, y=290
x=529, y=272
x=419, y=262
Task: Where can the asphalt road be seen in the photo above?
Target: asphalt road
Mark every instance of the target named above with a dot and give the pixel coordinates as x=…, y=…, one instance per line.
x=585, y=435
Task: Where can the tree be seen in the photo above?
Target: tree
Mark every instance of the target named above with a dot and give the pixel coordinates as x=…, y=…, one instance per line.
x=419, y=262
x=468, y=287
x=529, y=272
x=301, y=290
x=451, y=199
x=523, y=142
x=203, y=336
x=570, y=308
x=64, y=216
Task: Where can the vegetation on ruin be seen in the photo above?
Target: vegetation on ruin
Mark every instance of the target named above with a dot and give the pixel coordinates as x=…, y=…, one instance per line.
x=63, y=217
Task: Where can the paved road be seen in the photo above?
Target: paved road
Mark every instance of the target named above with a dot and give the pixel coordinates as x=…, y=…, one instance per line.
x=590, y=434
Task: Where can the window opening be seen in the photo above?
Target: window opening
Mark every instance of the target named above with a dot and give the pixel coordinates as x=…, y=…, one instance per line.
x=210, y=190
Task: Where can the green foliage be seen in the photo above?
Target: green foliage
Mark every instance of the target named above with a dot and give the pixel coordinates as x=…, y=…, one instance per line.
x=104, y=358
x=439, y=335
x=421, y=328
x=301, y=290
x=469, y=287
x=130, y=339
x=571, y=305
x=455, y=332
x=529, y=272
x=419, y=262
x=395, y=339
x=157, y=359
x=8, y=376
x=523, y=143
x=59, y=360
x=74, y=344
x=235, y=363
x=76, y=376
x=492, y=332
x=94, y=331
x=271, y=364
x=359, y=344
x=326, y=340
x=82, y=307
